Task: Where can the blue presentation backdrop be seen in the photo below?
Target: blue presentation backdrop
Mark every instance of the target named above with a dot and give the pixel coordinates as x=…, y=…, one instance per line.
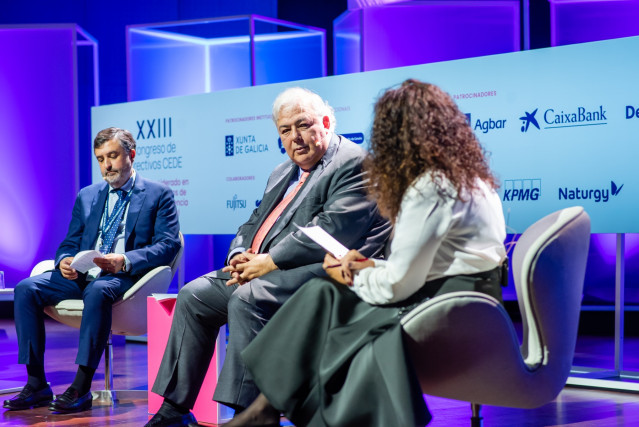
x=561, y=126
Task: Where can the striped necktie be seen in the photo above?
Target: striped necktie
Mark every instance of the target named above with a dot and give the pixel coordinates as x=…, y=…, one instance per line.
x=114, y=219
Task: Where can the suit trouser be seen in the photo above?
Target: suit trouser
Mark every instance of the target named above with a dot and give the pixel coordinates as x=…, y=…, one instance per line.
x=203, y=306
x=49, y=288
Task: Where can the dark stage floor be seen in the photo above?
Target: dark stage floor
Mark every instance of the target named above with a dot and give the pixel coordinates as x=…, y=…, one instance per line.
x=573, y=407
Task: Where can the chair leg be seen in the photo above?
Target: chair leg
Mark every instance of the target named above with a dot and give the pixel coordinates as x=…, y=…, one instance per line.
x=108, y=368
x=476, y=420
x=109, y=393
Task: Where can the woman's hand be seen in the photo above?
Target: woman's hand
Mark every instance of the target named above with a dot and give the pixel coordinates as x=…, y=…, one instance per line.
x=342, y=270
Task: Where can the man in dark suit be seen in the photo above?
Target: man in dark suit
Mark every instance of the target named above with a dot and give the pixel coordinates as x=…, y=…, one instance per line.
x=270, y=258
x=133, y=222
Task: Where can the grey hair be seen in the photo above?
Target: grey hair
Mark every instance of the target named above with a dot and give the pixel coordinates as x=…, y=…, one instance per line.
x=123, y=136
x=305, y=100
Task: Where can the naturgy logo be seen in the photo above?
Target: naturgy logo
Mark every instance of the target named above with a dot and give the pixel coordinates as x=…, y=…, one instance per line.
x=597, y=194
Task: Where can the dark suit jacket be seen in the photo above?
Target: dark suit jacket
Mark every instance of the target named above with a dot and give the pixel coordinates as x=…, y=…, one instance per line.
x=151, y=232
x=332, y=197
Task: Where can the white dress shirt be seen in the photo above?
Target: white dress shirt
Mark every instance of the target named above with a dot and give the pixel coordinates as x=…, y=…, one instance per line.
x=118, y=242
x=436, y=236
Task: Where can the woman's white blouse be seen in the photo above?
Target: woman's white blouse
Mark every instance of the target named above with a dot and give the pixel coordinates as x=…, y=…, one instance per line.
x=436, y=236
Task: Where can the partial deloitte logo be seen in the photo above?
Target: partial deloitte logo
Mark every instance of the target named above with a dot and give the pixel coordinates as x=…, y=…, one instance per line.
x=602, y=194
x=238, y=145
x=632, y=112
x=557, y=118
x=521, y=190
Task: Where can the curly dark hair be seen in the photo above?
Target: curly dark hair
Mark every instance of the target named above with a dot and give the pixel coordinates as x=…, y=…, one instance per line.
x=419, y=129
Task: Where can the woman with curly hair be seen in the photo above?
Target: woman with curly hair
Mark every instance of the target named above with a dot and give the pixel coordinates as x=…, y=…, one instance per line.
x=333, y=355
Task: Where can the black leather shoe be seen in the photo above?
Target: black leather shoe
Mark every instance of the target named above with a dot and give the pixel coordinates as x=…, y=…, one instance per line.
x=71, y=401
x=160, y=420
x=29, y=398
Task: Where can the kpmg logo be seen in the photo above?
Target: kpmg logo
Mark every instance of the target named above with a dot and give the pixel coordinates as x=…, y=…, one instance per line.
x=529, y=119
x=235, y=145
x=596, y=194
x=154, y=128
x=229, y=145
x=632, y=112
x=519, y=190
x=235, y=203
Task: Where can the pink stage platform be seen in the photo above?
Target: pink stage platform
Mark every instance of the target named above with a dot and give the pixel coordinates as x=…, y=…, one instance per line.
x=159, y=317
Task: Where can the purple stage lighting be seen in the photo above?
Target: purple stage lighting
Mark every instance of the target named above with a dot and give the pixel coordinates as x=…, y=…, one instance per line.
x=420, y=32
x=39, y=128
x=573, y=21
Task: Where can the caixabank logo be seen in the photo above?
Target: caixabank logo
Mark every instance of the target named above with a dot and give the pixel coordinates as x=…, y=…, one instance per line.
x=485, y=125
x=522, y=190
x=555, y=118
x=237, y=145
x=598, y=195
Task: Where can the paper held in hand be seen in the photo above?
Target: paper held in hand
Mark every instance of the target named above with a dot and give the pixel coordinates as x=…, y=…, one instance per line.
x=325, y=240
x=83, y=261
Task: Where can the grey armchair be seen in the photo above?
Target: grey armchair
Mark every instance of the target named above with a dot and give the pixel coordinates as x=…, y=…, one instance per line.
x=129, y=312
x=464, y=345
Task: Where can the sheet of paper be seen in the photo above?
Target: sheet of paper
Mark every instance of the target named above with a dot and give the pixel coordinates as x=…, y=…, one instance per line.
x=83, y=261
x=325, y=240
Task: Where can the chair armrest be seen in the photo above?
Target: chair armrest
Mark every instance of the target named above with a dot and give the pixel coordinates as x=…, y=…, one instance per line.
x=42, y=266
x=129, y=312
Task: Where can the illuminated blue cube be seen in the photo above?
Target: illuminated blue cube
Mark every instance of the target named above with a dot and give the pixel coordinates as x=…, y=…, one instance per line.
x=190, y=57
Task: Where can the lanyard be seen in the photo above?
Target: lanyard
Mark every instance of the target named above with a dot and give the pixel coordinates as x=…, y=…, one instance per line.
x=108, y=221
